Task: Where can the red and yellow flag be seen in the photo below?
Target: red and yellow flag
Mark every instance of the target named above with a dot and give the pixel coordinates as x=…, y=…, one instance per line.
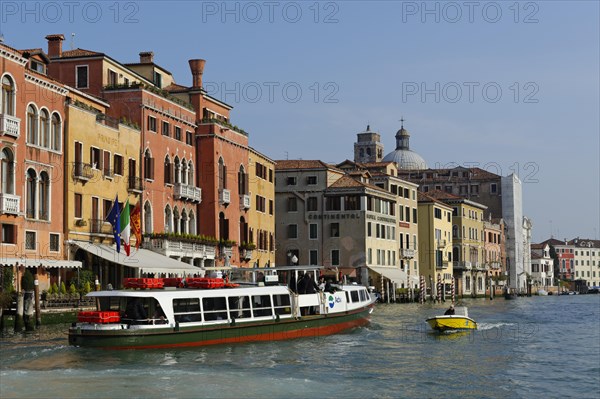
x=136, y=224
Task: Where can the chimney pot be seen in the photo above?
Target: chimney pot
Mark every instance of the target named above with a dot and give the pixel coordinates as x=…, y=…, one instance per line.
x=55, y=45
x=146, y=57
x=197, y=68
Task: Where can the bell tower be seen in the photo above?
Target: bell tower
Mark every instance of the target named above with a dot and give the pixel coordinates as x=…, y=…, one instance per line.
x=368, y=147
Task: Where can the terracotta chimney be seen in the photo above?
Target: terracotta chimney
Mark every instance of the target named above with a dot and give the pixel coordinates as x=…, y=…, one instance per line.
x=55, y=45
x=146, y=57
x=197, y=67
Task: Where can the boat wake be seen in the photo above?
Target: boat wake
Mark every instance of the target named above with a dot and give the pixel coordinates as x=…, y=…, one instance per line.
x=490, y=326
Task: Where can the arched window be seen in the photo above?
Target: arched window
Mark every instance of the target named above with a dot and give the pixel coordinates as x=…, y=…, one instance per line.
x=168, y=220
x=8, y=96
x=147, y=218
x=44, y=189
x=31, y=211
x=168, y=170
x=7, y=173
x=32, y=125
x=45, y=128
x=176, y=220
x=184, y=173
x=242, y=181
x=222, y=174
x=192, y=223
x=456, y=254
x=455, y=231
x=190, y=172
x=56, y=133
x=183, y=222
x=177, y=165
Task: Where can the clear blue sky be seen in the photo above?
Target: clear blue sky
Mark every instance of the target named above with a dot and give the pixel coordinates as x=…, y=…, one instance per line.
x=440, y=65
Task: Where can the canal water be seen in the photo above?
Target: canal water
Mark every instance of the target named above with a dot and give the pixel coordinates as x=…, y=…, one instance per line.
x=542, y=347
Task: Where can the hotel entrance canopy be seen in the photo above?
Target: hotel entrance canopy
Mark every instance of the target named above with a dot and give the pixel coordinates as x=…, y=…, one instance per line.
x=144, y=260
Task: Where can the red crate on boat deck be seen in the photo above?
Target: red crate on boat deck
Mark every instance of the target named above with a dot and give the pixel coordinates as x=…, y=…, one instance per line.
x=173, y=282
x=143, y=283
x=98, y=317
x=205, y=282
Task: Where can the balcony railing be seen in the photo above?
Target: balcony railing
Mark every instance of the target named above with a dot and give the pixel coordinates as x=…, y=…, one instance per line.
x=495, y=265
x=186, y=192
x=135, y=184
x=10, y=125
x=441, y=244
x=10, y=203
x=169, y=247
x=224, y=196
x=462, y=265
x=82, y=171
x=244, y=201
x=406, y=253
x=246, y=254
x=100, y=226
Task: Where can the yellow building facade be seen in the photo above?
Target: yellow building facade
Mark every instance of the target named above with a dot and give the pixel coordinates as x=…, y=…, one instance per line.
x=260, y=248
x=99, y=153
x=435, y=244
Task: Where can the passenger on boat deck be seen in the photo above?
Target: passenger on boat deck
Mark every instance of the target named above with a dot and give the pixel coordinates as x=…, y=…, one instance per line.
x=300, y=286
x=293, y=284
x=158, y=313
x=450, y=311
x=135, y=310
x=310, y=287
x=322, y=283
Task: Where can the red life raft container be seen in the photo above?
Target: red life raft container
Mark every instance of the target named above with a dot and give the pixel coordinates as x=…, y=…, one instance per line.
x=173, y=282
x=204, y=282
x=143, y=283
x=98, y=317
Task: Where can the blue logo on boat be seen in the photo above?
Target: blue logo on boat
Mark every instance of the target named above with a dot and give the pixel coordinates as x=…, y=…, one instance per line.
x=331, y=300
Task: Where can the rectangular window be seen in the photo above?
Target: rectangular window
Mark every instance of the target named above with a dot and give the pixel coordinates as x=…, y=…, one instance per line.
x=118, y=165
x=78, y=203
x=112, y=78
x=177, y=133
x=292, y=231
x=291, y=181
x=151, y=123
x=493, y=188
x=106, y=206
x=270, y=175
x=313, y=257
x=407, y=215
x=54, y=242
x=333, y=203
x=189, y=138
x=370, y=256
x=352, y=203
x=187, y=310
x=214, y=308
x=270, y=207
x=30, y=240
x=312, y=204
x=95, y=158
x=335, y=230
x=406, y=193
x=414, y=211
x=292, y=204
x=9, y=234
x=261, y=306
x=312, y=231
x=158, y=80
x=437, y=213
x=282, y=304
x=401, y=213
x=166, y=129
x=311, y=180
x=239, y=307
x=106, y=164
x=369, y=229
x=81, y=78
x=335, y=257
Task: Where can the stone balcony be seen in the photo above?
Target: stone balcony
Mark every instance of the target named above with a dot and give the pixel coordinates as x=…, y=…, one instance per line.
x=10, y=125
x=187, y=192
x=495, y=265
x=244, y=201
x=10, y=204
x=441, y=244
x=82, y=171
x=406, y=253
x=177, y=248
x=462, y=265
x=224, y=196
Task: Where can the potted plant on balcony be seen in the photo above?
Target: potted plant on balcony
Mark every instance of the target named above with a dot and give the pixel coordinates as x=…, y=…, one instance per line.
x=246, y=249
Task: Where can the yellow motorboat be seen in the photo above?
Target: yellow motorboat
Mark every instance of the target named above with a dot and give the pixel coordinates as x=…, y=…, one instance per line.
x=460, y=320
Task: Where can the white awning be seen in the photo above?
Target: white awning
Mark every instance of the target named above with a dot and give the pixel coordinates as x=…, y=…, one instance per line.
x=45, y=263
x=143, y=259
x=393, y=273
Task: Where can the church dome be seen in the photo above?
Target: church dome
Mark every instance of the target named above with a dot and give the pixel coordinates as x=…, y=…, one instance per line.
x=403, y=156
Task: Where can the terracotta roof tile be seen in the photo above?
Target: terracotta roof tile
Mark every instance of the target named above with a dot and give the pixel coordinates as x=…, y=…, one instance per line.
x=347, y=181
x=290, y=164
x=443, y=195
x=175, y=87
x=79, y=52
x=538, y=246
x=577, y=242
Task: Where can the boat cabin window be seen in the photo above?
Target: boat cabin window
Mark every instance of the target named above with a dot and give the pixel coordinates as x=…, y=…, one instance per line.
x=363, y=296
x=214, y=308
x=261, y=305
x=187, y=310
x=354, y=296
x=281, y=304
x=347, y=297
x=239, y=307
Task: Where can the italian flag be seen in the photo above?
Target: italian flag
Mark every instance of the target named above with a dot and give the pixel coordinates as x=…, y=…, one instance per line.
x=125, y=229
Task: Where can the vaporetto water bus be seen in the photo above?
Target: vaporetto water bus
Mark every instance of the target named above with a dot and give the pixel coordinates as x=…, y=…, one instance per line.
x=159, y=313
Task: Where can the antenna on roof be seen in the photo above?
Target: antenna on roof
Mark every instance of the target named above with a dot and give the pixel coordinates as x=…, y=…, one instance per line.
x=72, y=41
